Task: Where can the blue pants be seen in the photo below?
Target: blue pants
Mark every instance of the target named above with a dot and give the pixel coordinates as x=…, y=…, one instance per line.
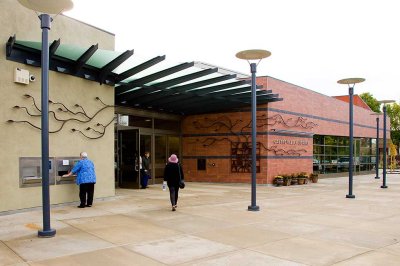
x=144, y=178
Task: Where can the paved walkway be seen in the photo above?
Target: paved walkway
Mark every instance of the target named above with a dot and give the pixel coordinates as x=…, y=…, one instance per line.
x=312, y=224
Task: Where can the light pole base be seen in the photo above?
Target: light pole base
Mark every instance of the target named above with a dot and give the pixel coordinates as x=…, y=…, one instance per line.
x=253, y=208
x=47, y=233
x=384, y=186
x=350, y=196
x=377, y=177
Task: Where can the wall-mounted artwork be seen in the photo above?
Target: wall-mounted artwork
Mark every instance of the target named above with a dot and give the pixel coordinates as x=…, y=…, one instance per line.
x=237, y=133
x=61, y=115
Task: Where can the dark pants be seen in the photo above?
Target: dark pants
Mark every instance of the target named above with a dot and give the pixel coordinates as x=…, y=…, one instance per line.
x=86, y=192
x=144, y=178
x=173, y=195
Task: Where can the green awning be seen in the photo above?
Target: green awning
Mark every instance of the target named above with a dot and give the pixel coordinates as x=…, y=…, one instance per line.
x=186, y=88
x=99, y=59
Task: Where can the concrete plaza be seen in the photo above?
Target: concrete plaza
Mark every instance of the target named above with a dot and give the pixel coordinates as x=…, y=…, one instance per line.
x=312, y=224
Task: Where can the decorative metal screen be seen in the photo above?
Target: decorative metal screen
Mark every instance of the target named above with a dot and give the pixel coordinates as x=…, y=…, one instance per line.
x=241, y=157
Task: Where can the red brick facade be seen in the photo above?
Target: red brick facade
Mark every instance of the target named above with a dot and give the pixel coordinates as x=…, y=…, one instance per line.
x=284, y=130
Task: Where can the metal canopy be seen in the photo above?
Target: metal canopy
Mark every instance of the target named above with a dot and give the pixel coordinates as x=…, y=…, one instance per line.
x=187, y=88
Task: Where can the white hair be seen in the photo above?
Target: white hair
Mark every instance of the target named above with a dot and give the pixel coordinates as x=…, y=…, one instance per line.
x=84, y=154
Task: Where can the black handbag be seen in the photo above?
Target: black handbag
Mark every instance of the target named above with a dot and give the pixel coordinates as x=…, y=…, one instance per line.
x=181, y=181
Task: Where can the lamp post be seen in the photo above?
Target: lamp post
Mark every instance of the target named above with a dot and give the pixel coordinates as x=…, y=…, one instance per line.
x=351, y=82
x=377, y=146
x=384, y=102
x=46, y=7
x=253, y=55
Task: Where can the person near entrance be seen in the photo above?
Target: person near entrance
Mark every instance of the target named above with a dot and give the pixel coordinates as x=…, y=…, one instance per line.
x=145, y=170
x=173, y=173
x=86, y=178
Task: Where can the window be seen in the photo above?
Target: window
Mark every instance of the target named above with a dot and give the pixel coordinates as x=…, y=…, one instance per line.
x=332, y=153
x=330, y=140
x=201, y=164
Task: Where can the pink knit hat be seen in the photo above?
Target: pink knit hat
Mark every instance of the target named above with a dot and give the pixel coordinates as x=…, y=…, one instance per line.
x=173, y=158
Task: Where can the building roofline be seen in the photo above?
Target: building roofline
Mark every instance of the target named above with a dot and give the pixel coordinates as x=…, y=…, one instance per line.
x=331, y=97
x=90, y=25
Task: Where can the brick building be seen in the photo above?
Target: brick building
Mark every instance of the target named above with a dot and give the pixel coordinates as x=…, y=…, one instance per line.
x=116, y=109
x=306, y=132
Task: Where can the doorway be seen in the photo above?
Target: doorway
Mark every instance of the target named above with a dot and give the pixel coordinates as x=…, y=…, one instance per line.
x=145, y=146
x=136, y=134
x=128, y=174
x=132, y=143
x=164, y=146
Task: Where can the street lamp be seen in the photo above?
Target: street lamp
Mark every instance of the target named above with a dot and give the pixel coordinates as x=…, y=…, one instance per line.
x=377, y=146
x=46, y=7
x=252, y=55
x=351, y=82
x=384, y=102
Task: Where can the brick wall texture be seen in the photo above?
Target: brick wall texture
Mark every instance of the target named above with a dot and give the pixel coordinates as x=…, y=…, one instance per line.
x=284, y=134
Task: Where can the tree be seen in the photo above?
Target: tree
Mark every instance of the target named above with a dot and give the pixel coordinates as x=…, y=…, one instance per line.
x=393, y=111
x=371, y=101
x=395, y=137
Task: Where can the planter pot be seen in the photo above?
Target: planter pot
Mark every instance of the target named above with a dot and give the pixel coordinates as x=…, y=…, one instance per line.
x=294, y=182
x=301, y=181
x=314, y=178
x=287, y=182
x=278, y=182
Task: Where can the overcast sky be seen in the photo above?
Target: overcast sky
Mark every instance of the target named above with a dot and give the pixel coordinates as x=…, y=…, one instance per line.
x=313, y=43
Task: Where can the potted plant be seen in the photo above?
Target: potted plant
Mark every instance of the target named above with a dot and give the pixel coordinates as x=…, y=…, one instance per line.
x=287, y=179
x=301, y=178
x=314, y=177
x=294, y=179
x=278, y=180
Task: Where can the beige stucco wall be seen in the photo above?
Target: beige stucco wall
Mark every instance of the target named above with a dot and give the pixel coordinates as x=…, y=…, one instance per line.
x=22, y=140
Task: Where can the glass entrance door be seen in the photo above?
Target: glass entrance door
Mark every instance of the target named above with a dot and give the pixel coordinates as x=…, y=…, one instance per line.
x=173, y=145
x=145, y=146
x=164, y=146
x=160, y=158
x=127, y=163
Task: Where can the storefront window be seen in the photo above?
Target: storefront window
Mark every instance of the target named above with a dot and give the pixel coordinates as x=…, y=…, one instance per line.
x=331, y=140
x=342, y=151
x=331, y=150
x=343, y=141
x=317, y=149
x=333, y=155
x=318, y=139
x=373, y=151
x=365, y=142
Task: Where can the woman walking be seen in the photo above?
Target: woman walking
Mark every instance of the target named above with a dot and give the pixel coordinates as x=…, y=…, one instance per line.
x=173, y=173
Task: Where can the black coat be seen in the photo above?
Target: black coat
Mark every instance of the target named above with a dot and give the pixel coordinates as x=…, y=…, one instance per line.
x=145, y=163
x=171, y=174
